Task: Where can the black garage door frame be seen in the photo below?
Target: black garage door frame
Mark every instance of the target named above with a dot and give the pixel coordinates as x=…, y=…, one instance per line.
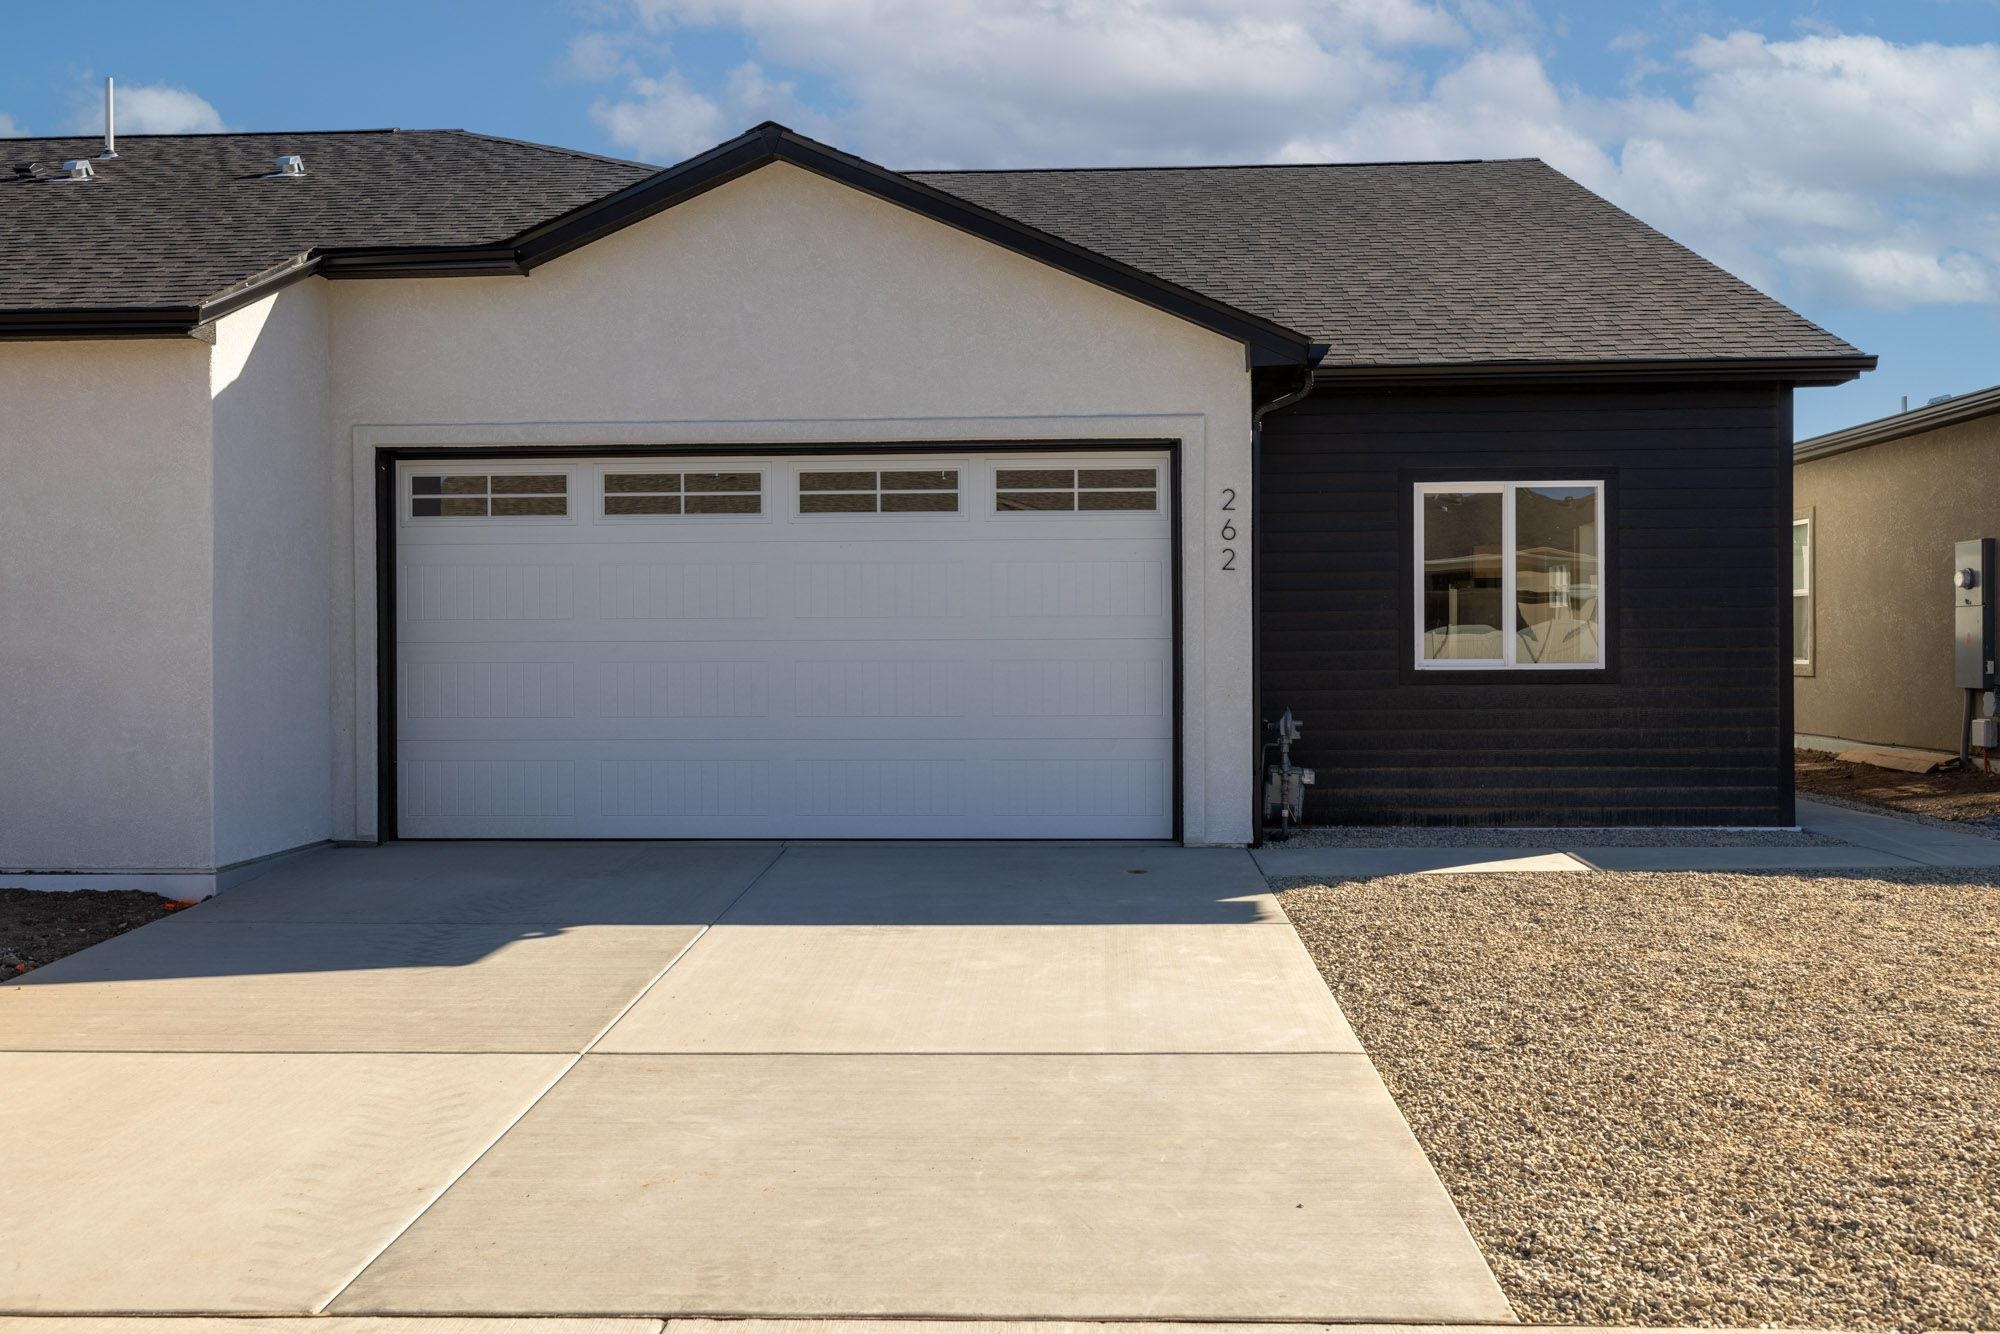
x=388, y=516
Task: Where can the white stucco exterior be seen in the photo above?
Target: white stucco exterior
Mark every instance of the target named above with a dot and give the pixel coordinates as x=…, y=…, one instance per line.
x=105, y=607
x=273, y=676
x=188, y=564
x=787, y=308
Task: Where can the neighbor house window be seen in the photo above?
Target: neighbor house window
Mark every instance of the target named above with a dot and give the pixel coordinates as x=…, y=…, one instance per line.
x=890, y=491
x=1510, y=574
x=488, y=496
x=1802, y=592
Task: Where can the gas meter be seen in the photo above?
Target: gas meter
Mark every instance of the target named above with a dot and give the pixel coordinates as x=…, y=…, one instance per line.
x=1285, y=783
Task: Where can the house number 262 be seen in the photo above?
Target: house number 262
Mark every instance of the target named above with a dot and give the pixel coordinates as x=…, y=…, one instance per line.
x=1228, y=530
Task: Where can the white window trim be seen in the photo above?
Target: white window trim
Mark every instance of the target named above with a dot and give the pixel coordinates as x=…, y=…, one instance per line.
x=1508, y=640
x=1805, y=521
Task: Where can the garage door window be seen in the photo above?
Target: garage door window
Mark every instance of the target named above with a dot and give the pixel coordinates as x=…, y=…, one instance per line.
x=666, y=494
x=488, y=495
x=890, y=491
x=1067, y=490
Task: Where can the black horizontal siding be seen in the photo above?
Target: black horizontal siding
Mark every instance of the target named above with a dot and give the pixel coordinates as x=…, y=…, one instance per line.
x=1691, y=722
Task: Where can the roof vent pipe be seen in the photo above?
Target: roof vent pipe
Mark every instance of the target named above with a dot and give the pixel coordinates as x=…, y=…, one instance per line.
x=290, y=165
x=77, y=169
x=110, y=127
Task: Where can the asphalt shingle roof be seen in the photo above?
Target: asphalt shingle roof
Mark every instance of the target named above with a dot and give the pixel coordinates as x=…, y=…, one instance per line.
x=178, y=218
x=1413, y=263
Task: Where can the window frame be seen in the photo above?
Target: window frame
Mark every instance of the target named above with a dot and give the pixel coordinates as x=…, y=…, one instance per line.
x=1804, y=666
x=406, y=483
x=1070, y=465
x=961, y=491
x=682, y=467
x=1508, y=664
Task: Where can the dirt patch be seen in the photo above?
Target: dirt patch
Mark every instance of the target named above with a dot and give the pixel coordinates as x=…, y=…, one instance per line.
x=38, y=927
x=1970, y=796
x=1696, y=1099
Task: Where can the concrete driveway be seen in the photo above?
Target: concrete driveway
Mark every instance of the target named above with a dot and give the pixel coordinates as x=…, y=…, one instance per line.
x=998, y=1081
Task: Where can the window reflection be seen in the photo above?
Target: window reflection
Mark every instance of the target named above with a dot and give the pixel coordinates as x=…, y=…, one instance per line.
x=1555, y=574
x=1462, y=575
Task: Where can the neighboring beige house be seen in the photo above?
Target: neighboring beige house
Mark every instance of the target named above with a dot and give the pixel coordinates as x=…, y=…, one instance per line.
x=1876, y=510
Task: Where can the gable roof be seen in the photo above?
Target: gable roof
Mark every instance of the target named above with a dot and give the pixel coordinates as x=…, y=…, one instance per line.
x=1959, y=408
x=1418, y=264
x=1396, y=268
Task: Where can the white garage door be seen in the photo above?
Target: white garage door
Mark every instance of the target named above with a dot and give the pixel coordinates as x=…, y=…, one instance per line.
x=927, y=646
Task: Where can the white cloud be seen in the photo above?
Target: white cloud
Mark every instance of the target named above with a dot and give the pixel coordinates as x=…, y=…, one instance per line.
x=1821, y=163
x=9, y=127
x=147, y=108
x=599, y=57
x=933, y=82
x=1890, y=276
x=662, y=118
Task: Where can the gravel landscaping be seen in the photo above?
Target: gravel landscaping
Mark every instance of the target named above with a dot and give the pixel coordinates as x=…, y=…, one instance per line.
x=1673, y=1099
x=38, y=926
x=1405, y=836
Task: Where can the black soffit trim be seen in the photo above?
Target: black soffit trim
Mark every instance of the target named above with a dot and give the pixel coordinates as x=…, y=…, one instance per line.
x=1270, y=343
x=1787, y=370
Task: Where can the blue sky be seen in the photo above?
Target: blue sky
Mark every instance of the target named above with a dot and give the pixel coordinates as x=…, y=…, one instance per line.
x=1844, y=156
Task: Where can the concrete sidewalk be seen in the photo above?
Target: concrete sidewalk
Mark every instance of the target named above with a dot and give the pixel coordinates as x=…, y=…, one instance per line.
x=974, y=1081
x=1866, y=842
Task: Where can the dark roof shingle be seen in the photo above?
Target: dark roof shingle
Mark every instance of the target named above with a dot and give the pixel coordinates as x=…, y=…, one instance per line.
x=176, y=219
x=1405, y=265
x=1409, y=264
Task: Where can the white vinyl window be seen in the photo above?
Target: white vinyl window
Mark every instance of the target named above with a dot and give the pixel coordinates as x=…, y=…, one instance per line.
x=1802, y=592
x=1509, y=575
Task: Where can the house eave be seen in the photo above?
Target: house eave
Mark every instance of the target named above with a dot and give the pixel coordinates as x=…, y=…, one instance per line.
x=1965, y=407
x=1267, y=342
x=99, y=322
x=1766, y=370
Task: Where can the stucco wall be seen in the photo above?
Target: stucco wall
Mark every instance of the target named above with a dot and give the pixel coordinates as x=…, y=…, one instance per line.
x=786, y=308
x=104, y=605
x=1885, y=519
x=273, y=551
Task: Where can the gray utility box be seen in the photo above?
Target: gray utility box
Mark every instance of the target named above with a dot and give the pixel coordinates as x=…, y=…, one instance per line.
x=1972, y=626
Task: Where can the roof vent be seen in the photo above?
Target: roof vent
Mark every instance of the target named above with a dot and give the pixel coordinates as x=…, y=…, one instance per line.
x=290, y=165
x=78, y=169
x=1933, y=402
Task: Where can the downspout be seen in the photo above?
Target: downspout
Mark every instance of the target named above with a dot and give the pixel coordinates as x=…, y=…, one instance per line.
x=1257, y=414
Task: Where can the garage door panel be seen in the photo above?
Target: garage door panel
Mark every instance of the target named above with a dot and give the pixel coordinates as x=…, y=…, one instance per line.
x=971, y=675
x=753, y=791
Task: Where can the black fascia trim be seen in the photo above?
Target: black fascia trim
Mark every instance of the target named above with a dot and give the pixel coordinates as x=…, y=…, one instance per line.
x=101, y=322
x=423, y=262
x=1270, y=343
x=1286, y=346
x=1766, y=370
